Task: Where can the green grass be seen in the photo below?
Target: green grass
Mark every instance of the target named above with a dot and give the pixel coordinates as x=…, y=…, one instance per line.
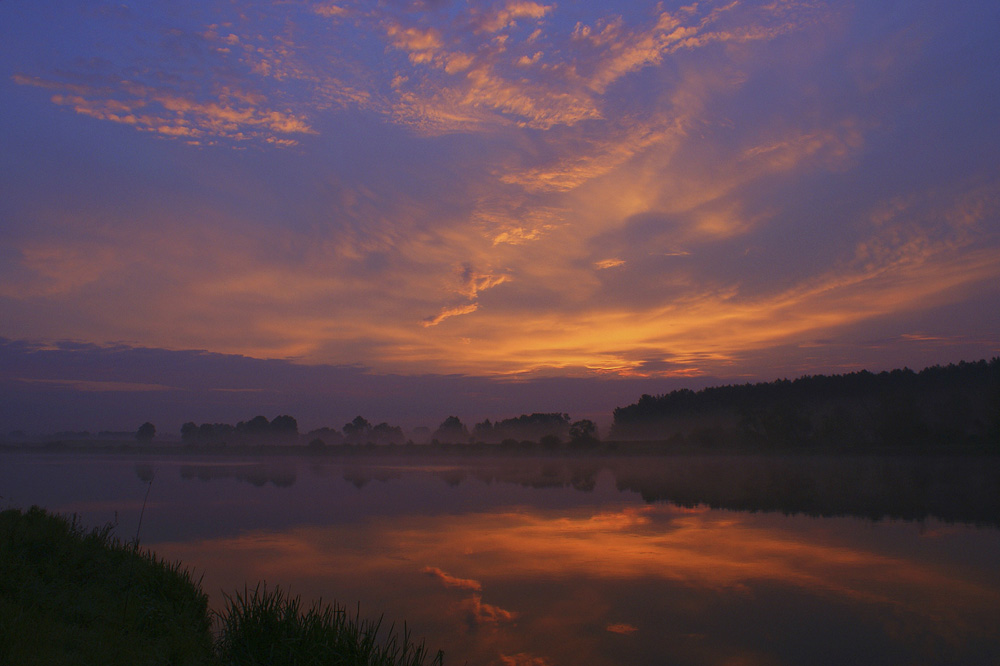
x=267, y=627
x=69, y=596
x=72, y=596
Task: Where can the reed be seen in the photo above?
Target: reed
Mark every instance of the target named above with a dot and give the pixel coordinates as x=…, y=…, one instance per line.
x=267, y=626
x=73, y=596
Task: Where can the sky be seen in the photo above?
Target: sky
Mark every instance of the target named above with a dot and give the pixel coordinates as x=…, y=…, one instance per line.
x=212, y=209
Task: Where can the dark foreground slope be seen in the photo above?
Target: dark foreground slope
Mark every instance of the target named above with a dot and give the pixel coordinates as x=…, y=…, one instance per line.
x=69, y=596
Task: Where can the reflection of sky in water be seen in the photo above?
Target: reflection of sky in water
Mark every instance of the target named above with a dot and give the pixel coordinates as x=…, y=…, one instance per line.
x=503, y=573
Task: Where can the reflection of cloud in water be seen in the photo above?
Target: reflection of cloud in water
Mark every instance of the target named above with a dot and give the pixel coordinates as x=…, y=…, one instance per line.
x=451, y=581
x=570, y=576
x=477, y=613
x=705, y=549
x=700, y=548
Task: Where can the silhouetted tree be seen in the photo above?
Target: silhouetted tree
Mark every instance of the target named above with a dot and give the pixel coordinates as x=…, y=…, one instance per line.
x=550, y=441
x=583, y=430
x=358, y=430
x=484, y=432
x=384, y=433
x=189, y=432
x=258, y=425
x=452, y=430
x=146, y=432
x=533, y=426
x=327, y=435
x=284, y=427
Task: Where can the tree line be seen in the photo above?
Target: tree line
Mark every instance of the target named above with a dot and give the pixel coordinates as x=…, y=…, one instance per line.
x=281, y=428
x=545, y=428
x=938, y=407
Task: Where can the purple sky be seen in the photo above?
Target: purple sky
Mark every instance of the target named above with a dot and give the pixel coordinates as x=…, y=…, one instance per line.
x=214, y=209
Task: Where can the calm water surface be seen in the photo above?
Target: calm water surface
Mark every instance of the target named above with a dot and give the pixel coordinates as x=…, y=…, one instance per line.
x=526, y=562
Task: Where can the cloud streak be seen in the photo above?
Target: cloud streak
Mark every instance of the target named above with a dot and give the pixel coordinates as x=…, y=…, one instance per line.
x=450, y=581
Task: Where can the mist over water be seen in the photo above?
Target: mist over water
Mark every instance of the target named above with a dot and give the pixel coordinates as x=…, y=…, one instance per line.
x=545, y=561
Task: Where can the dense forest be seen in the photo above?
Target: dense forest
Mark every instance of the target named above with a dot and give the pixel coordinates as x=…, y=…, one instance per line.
x=938, y=407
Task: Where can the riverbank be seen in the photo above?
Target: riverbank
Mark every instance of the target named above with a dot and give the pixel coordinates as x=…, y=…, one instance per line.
x=69, y=595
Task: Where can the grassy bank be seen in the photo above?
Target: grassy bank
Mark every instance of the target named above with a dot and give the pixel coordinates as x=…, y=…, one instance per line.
x=73, y=596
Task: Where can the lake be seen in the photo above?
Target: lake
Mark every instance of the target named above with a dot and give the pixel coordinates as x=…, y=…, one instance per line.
x=529, y=561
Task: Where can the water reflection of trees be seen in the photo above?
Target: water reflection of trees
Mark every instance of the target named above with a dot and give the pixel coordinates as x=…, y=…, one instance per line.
x=578, y=474
x=950, y=489
x=953, y=489
x=359, y=477
x=257, y=475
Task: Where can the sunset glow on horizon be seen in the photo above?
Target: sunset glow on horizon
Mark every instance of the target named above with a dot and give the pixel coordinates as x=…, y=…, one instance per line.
x=505, y=191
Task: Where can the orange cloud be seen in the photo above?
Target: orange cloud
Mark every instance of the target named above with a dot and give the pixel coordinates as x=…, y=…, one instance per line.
x=422, y=44
x=474, y=282
x=718, y=551
x=174, y=115
x=330, y=10
x=501, y=18
x=478, y=613
x=450, y=581
x=450, y=312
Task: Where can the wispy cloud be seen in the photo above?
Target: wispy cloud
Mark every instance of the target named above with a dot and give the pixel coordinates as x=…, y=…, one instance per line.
x=173, y=116
x=479, y=613
x=94, y=386
x=450, y=312
x=451, y=581
x=498, y=18
x=474, y=282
